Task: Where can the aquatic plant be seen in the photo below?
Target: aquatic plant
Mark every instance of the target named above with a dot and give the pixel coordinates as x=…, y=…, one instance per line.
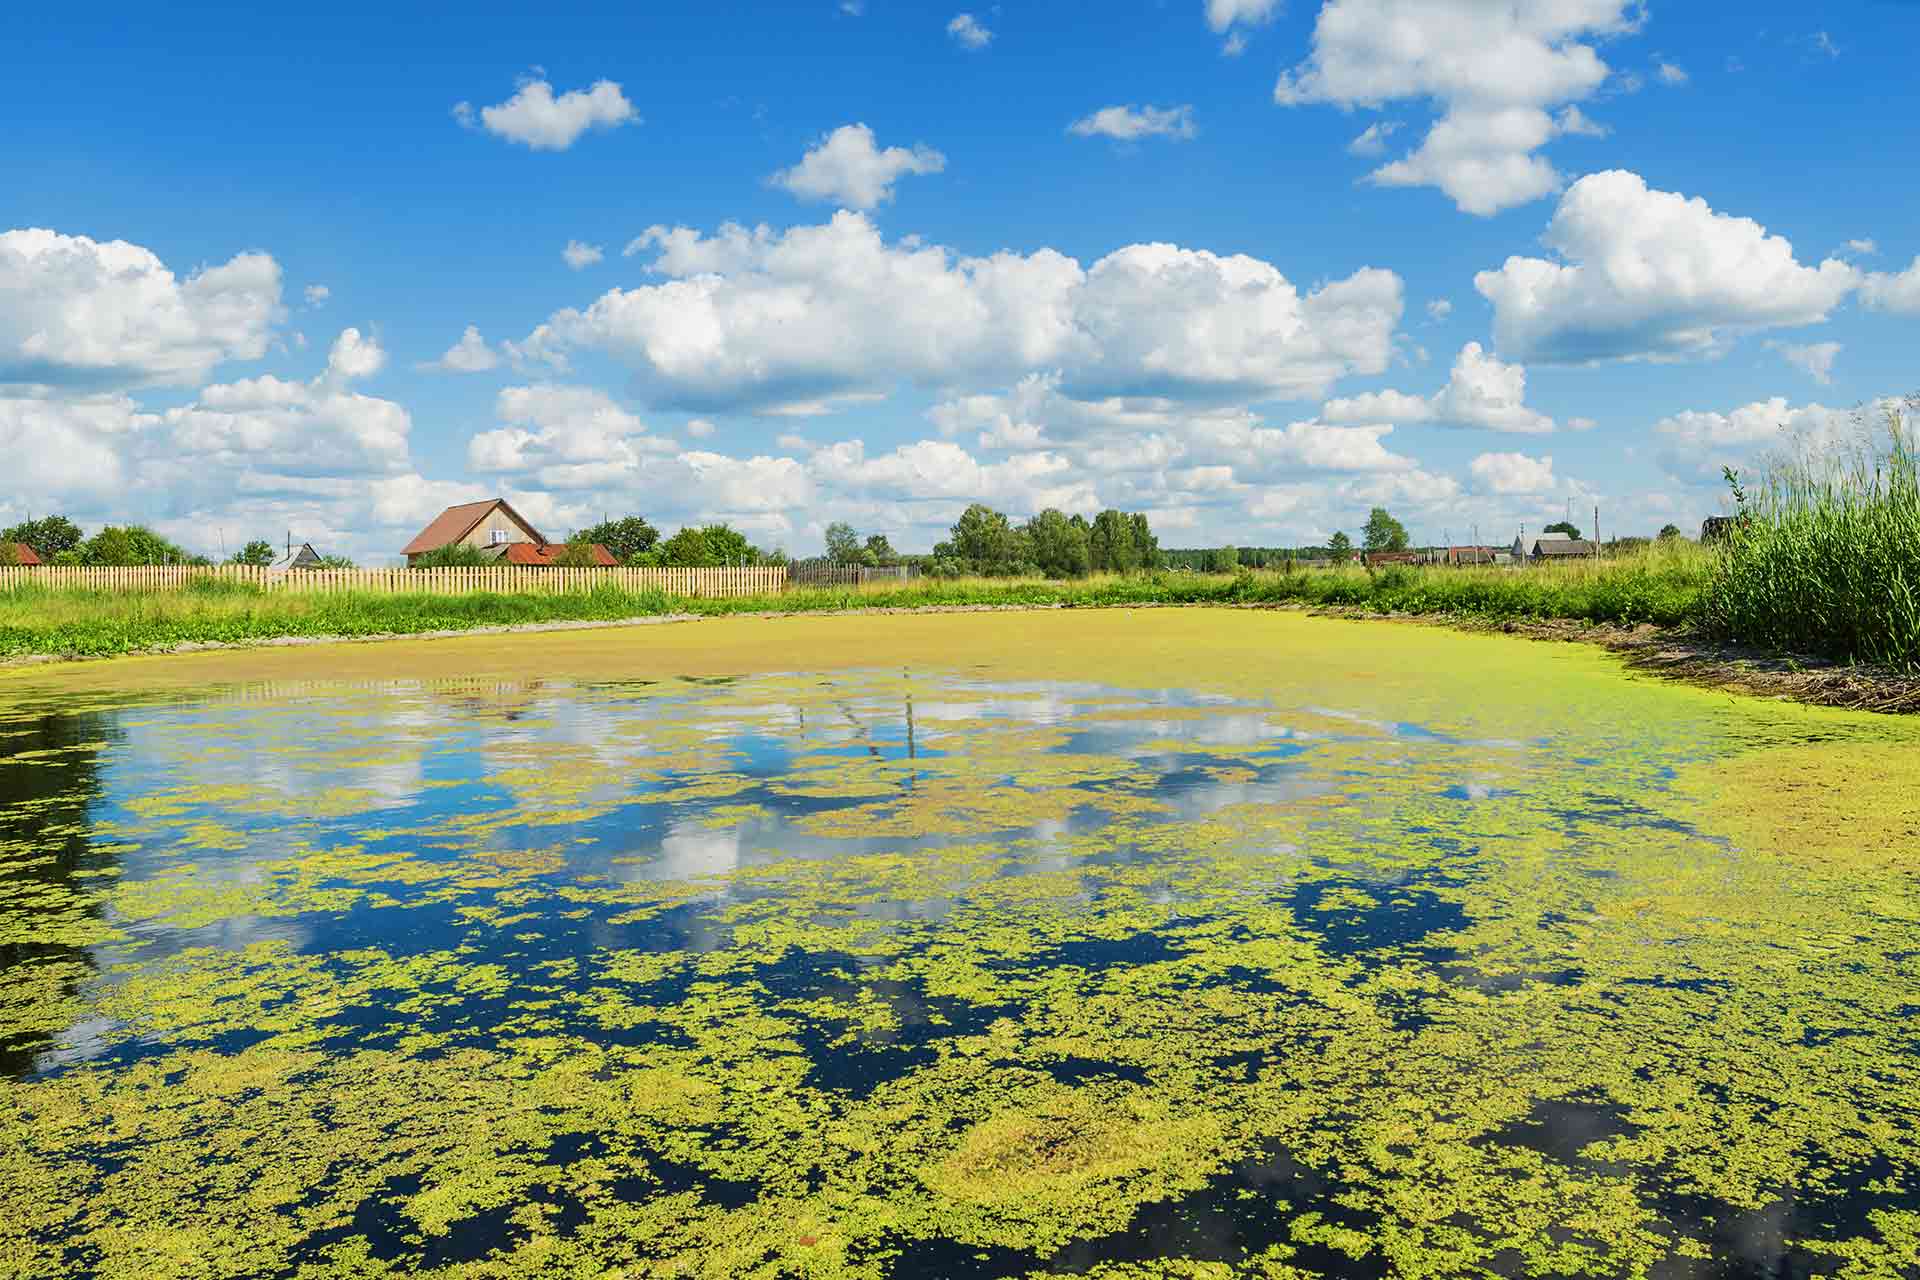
x=1824, y=555
x=1305, y=948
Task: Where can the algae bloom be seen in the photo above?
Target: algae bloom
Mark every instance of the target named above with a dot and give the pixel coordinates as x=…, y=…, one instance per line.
x=894, y=947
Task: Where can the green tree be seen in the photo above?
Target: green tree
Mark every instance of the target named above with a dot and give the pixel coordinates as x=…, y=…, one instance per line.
x=133, y=545
x=986, y=540
x=1567, y=527
x=1059, y=546
x=1223, y=560
x=843, y=544
x=577, y=553
x=1668, y=532
x=707, y=547
x=9, y=552
x=1383, y=532
x=687, y=549
x=258, y=553
x=1340, y=547
x=1146, y=547
x=49, y=536
x=624, y=538
x=337, y=562
x=1110, y=542
x=879, y=551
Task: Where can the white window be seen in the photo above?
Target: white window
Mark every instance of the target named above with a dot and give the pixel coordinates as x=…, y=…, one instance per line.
x=496, y=536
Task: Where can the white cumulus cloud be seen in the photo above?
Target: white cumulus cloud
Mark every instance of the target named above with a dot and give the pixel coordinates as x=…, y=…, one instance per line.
x=580, y=255
x=535, y=118
x=563, y=437
x=1495, y=71
x=759, y=318
x=469, y=355
x=1646, y=274
x=968, y=33
x=847, y=167
x=1815, y=359
x=1130, y=124
x=1233, y=19
x=1511, y=473
x=1482, y=391
x=98, y=315
x=1889, y=291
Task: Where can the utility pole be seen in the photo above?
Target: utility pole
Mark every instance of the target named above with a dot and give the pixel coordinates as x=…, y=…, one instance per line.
x=1596, y=531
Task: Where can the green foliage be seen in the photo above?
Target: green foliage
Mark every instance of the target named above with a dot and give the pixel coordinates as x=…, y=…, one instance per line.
x=1146, y=547
x=707, y=547
x=1060, y=547
x=134, y=545
x=9, y=552
x=1383, y=532
x=577, y=553
x=455, y=555
x=1825, y=558
x=1340, y=547
x=49, y=536
x=1111, y=545
x=843, y=544
x=258, y=553
x=625, y=538
x=1223, y=560
x=1668, y=532
x=879, y=551
x=1567, y=527
x=336, y=562
x=985, y=540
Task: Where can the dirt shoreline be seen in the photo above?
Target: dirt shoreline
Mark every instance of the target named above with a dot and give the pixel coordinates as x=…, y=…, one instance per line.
x=1670, y=653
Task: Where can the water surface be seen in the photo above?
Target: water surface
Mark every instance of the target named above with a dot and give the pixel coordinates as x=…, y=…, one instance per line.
x=1207, y=944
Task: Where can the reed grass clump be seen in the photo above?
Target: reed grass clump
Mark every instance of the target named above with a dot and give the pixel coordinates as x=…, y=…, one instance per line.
x=1824, y=555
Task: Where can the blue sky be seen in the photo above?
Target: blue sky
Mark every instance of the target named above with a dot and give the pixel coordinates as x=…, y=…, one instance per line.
x=1250, y=267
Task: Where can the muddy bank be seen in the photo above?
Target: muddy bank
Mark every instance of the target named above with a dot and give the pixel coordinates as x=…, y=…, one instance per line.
x=1687, y=656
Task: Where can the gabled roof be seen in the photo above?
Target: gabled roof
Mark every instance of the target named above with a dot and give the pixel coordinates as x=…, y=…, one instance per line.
x=457, y=522
x=1563, y=547
x=545, y=554
x=25, y=554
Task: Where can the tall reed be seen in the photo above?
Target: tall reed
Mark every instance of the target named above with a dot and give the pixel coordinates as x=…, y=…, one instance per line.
x=1824, y=556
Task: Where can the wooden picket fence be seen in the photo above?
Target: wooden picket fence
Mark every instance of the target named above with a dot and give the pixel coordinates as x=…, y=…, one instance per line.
x=501, y=579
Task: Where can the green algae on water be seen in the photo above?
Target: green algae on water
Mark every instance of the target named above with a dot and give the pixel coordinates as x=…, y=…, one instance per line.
x=1379, y=952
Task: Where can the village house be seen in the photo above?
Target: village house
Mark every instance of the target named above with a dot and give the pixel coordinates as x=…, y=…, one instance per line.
x=24, y=554
x=303, y=557
x=495, y=529
x=1558, y=546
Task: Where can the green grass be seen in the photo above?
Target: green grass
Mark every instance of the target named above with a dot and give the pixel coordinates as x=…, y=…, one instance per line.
x=1663, y=586
x=1828, y=559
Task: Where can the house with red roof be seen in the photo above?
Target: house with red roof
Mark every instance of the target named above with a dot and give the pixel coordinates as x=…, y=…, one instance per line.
x=24, y=554
x=495, y=529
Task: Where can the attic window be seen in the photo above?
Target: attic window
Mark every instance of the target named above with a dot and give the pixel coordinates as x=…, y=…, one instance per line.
x=496, y=536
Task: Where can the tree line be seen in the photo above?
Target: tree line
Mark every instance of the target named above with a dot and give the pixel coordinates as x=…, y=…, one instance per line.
x=55, y=539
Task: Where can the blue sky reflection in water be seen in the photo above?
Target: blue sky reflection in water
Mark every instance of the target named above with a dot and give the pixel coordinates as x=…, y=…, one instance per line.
x=890, y=973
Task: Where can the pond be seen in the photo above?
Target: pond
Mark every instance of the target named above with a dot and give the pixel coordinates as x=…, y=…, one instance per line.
x=1124, y=944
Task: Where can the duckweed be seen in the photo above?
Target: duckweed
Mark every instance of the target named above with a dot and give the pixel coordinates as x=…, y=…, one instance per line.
x=1297, y=950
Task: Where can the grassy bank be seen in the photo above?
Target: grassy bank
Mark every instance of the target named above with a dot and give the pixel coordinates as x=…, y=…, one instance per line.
x=1662, y=587
x=1827, y=557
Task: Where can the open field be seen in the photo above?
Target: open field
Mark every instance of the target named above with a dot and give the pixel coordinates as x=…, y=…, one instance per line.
x=1662, y=586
